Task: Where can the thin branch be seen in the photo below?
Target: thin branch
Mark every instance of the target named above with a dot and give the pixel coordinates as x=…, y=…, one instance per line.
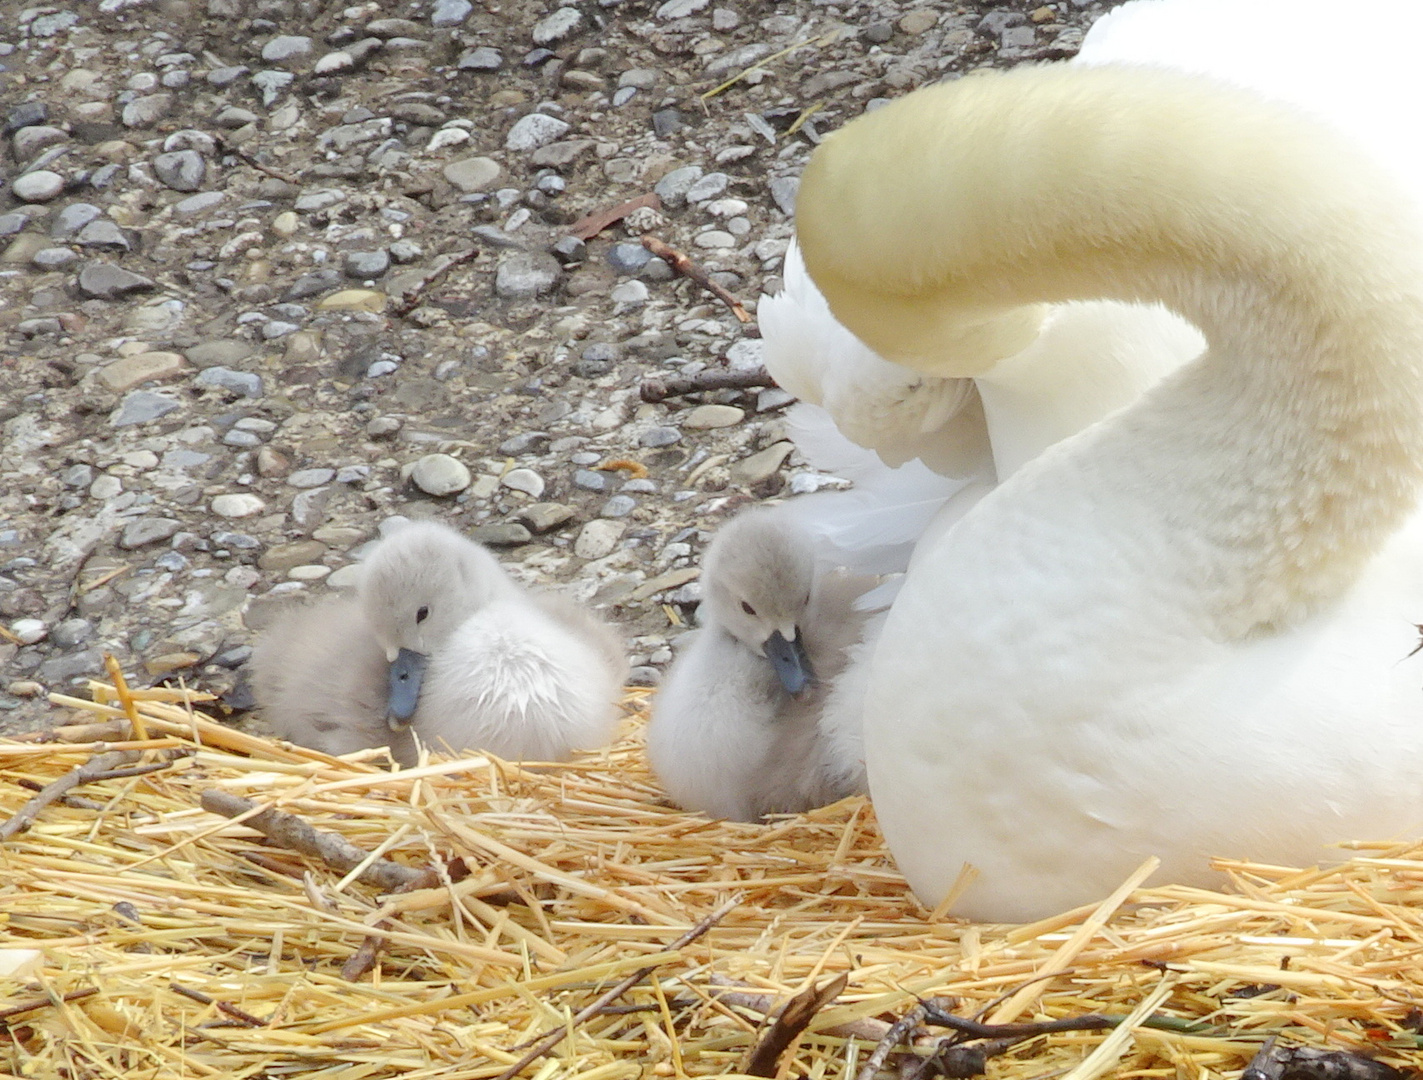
x=240, y=1015
x=28, y=1006
x=765, y=1056
x=658, y=389
x=590, y=225
x=290, y=831
x=93, y=769
x=410, y=298
x=683, y=264
x=901, y=1031
x=554, y=1037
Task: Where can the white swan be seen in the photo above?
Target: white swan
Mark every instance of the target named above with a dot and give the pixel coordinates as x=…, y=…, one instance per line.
x=751, y=719
x=477, y=662
x=1181, y=631
x=320, y=679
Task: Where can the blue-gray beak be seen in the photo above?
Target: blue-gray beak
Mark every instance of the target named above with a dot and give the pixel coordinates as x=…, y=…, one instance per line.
x=789, y=659
x=406, y=672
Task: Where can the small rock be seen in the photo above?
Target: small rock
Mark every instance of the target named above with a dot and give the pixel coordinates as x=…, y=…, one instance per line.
x=544, y=517
x=60, y=669
x=237, y=506
x=199, y=203
x=53, y=258
x=618, y=506
x=144, y=112
x=147, y=530
x=309, y=572
x=783, y=192
x=182, y=170
x=286, y=47
x=919, y=21
x=272, y=84
x=73, y=218
x=38, y=186
x=29, y=631
x=535, y=130
x=103, y=233
x=366, y=265
x=472, y=174
x=309, y=506
x=222, y=352
x=525, y=480
x=589, y=480
x=672, y=189
x=707, y=417
x=72, y=632
x=763, y=465
x=598, y=538
x=680, y=9
x=504, y=534
x=310, y=478
x=707, y=188
x=354, y=300
x=523, y=443
x=450, y=12
x=440, y=474
x=659, y=436
x=481, y=59
x=282, y=557
x=667, y=122
x=523, y=275
x=561, y=25
x=140, y=407
x=242, y=383
x=123, y=375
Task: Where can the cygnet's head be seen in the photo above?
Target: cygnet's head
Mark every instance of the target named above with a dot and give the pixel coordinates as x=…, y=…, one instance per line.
x=417, y=586
x=757, y=576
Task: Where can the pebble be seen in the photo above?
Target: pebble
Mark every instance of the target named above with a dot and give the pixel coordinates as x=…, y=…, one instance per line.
x=763, y=465
x=525, y=480
x=29, y=631
x=73, y=218
x=708, y=417
x=141, y=407
x=503, y=534
x=598, y=538
x=472, y=174
x=147, y=530
x=618, y=506
x=440, y=474
x=561, y=25
x=589, y=480
x=366, y=264
x=182, y=170
x=286, y=47
x=144, y=112
x=450, y=12
x=38, y=186
x=659, y=436
x=535, y=130
x=242, y=383
x=630, y=293
x=522, y=275
x=309, y=572
x=672, y=189
x=53, y=258
x=545, y=517
x=72, y=632
x=131, y=371
x=310, y=478
x=237, y=506
x=103, y=233
x=483, y=58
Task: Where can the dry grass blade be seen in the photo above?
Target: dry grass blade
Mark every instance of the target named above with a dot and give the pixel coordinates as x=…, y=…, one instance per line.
x=580, y=880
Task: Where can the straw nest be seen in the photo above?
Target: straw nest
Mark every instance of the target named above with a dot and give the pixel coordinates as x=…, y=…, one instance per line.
x=148, y=937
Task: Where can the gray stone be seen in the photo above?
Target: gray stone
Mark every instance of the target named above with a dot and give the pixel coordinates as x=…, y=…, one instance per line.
x=286, y=47
x=12, y=223
x=283, y=557
x=61, y=669
x=78, y=476
x=54, y=23
x=71, y=632
x=182, y=170
x=364, y=265
x=25, y=115
x=450, y=12
x=667, y=122
x=525, y=480
x=272, y=84
x=440, y=474
x=53, y=258
x=142, y=406
x=38, y=186
x=242, y=383
x=144, y=112
x=147, y=530
x=472, y=174
x=708, y=417
x=226, y=76
x=481, y=59
x=628, y=258
x=103, y=233
x=680, y=9
x=34, y=140
x=544, y=517
x=504, y=534
x=241, y=505
x=313, y=284
x=523, y=443
x=309, y=506
x=233, y=117
x=672, y=189
x=618, y=506
x=73, y=218
x=47, y=326
x=707, y=188
x=523, y=275
x=659, y=436
x=219, y=353
x=761, y=466
x=236, y=541
x=535, y=130
x=196, y=204
x=310, y=478
x=561, y=25
x=29, y=631
x=783, y=191
x=598, y=538
x=589, y=480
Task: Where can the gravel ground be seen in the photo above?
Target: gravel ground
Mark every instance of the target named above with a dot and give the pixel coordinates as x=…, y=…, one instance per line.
x=210, y=392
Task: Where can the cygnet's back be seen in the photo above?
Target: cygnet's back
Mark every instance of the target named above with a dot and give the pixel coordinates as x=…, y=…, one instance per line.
x=739, y=727
x=319, y=678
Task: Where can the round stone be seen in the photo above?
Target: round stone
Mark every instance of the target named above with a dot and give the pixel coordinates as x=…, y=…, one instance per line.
x=182, y=170
x=535, y=130
x=38, y=186
x=237, y=506
x=29, y=631
x=286, y=47
x=472, y=174
x=618, y=506
x=598, y=538
x=525, y=480
x=309, y=572
x=364, y=265
x=440, y=474
x=561, y=25
x=707, y=417
x=147, y=530
x=659, y=436
x=523, y=275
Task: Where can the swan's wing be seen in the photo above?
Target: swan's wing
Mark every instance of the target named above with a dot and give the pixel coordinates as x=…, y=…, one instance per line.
x=899, y=413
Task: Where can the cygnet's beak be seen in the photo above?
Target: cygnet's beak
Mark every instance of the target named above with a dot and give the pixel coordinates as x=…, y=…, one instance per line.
x=789, y=659
x=406, y=672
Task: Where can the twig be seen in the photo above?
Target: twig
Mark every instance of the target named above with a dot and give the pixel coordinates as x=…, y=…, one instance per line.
x=410, y=298
x=655, y=389
x=290, y=831
x=867, y=1028
x=237, y=151
x=800, y=1010
x=27, y=1006
x=590, y=225
x=92, y=769
x=682, y=264
x=901, y=1031
x=240, y=1015
x=77, y=802
x=1274, y=1062
x=974, y=1029
x=554, y=1037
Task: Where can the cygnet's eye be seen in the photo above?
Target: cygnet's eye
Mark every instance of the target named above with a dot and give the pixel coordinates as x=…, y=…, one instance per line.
x=422, y=614
x=748, y=609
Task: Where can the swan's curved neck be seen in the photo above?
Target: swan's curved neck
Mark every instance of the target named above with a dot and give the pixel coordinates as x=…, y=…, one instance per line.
x=1287, y=453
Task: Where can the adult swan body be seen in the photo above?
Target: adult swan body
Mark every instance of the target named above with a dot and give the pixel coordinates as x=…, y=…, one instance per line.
x=1181, y=632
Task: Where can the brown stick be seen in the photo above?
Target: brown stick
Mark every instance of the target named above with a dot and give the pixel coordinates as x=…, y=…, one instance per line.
x=901, y=1031
x=765, y=1056
x=93, y=769
x=410, y=299
x=27, y=1006
x=77, y=802
x=590, y=225
x=683, y=264
x=240, y=1015
x=334, y=850
x=867, y=1028
x=654, y=390
x=554, y=1037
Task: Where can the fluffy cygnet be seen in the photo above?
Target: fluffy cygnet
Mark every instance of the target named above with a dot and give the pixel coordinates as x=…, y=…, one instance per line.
x=750, y=720
x=479, y=663
x=321, y=680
